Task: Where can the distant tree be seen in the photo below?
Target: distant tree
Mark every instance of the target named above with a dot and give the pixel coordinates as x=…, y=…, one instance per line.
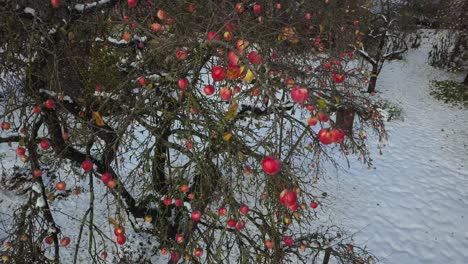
x=381, y=40
x=209, y=120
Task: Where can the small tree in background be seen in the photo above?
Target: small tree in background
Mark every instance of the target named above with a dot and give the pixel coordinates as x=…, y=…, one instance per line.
x=209, y=120
x=382, y=40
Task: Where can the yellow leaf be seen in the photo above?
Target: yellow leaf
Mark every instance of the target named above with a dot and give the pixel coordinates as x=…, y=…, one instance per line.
x=227, y=136
x=98, y=118
x=248, y=75
x=321, y=103
x=337, y=99
x=112, y=221
x=322, y=28
x=231, y=112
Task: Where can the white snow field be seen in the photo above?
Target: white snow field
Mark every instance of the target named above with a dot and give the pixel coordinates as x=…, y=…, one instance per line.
x=413, y=207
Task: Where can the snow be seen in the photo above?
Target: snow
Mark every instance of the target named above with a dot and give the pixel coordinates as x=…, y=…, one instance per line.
x=413, y=207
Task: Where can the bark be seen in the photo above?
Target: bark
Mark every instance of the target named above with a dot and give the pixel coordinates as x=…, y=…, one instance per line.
x=373, y=79
x=345, y=118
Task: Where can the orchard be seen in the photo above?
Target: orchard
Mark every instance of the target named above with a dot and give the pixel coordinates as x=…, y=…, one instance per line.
x=200, y=126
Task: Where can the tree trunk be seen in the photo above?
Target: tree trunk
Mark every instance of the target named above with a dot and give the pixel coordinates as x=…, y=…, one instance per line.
x=326, y=258
x=345, y=118
x=373, y=79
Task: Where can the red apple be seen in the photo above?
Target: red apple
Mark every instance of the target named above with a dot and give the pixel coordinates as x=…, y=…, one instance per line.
x=178, y=202
x=87, y=165
x=20, y=151
x=212, y=35
x=161, y=14
x=121, y=239
x=255, y=92
x=209, y=89
x=103, y=255
x=183, y=83
x=222, y=211
x=106, y=177
x=283, y=196
x=65, y=136
x=191, y=196
x=278, y=5
x=142, y=81
x=288, y=240
x=184, y=188
x=312, y=121
x=196, y=216
x=55, y=3
x=37, y=173
x=289, y=82
x=241, y=45
x=337, y=135
x=182, y=54
x=299, y=95
x=225, y=93
x=231, y=222
x=49, y=240
x=179, y=238
x=254, y=57
x=49, y=104
x=156, y=27
x=61, y=185
x=24, y=158
x=290, y=198
x=313, y=205
x=191, y=8
x=127, y=37
x=269, y=244
x=240, y=225
x=293, y=207
x=36, y=109
x=322, y=117
x=218, y=73
x=198, y=252
x=324, y=136
x=257, y=9
x=244, y=209
x=175, y=256
x=229, y=27
x=65, y=241
x=233, y=58
x=119, y=230
x=132, y=3
x=167, y=201
x=271, y=165
x=6, y=126
x=308, y=16
x=239, y=8
x=112, y=183
x=45, y=145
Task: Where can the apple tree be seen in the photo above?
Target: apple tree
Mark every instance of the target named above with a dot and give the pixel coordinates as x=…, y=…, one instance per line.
x=201, y=126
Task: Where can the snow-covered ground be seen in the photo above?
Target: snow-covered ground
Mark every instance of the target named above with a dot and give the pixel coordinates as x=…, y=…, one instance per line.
x=413, y=207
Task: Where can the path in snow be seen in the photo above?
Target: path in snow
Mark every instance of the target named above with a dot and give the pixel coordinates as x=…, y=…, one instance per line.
x=413, y=208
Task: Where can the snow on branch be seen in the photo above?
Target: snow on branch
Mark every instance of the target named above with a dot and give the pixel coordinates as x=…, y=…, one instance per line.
x=366, y=56
x=84, y=7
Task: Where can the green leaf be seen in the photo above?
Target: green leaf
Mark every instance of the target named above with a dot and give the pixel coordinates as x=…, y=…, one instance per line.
x=321, y=103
